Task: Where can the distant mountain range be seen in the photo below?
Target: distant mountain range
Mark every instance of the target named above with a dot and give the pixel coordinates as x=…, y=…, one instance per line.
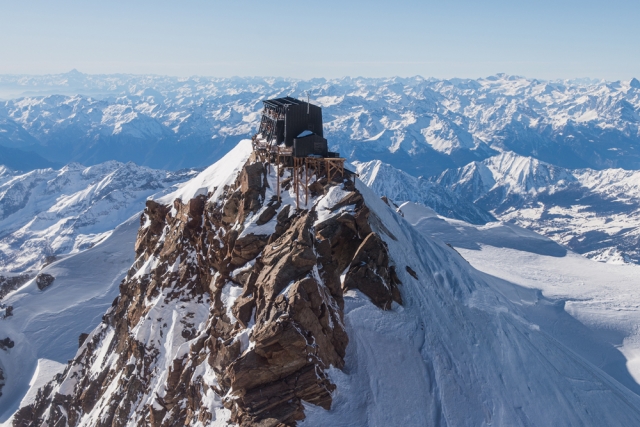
x=594, y=213
x=46, y=214
x=422, y=126
x=556, y=157
x=400, y=187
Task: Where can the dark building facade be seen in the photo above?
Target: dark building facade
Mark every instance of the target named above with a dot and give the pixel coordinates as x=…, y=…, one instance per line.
x=283, y=119
x=310, y=144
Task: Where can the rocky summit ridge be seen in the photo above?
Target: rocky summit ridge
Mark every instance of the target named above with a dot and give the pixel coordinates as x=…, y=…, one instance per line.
x=232, y=311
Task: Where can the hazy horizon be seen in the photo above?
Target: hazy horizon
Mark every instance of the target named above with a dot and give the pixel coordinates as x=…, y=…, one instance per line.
x=266, y=76
x=464, y=39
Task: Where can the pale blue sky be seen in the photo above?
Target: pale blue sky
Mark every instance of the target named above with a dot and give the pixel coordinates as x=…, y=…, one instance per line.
x=541, y=39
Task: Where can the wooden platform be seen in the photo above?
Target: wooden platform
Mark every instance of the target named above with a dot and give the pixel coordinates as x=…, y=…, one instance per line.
x=303, y=169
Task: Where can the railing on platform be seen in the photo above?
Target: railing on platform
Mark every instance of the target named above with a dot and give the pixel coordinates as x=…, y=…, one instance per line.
x=319, y=167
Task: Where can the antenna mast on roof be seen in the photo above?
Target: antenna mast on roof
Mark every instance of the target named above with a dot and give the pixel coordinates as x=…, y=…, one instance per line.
x=307, y=92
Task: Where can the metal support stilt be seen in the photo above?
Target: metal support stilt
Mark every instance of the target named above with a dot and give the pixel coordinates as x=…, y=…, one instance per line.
x=306, y=184
x=296, y=181
x=278, y=174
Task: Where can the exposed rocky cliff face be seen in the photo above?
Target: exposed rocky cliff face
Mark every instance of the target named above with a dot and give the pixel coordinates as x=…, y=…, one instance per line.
x=233, y=310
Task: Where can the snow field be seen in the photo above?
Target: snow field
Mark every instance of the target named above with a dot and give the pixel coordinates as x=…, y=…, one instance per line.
x=464, y=350
x=46, y=324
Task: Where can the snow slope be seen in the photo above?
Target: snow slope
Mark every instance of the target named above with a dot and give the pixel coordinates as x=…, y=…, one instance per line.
x=87, y=219
x=46, y=324
x=49, y=213
x=214, y=178
x=467, y=349
x=592, y=308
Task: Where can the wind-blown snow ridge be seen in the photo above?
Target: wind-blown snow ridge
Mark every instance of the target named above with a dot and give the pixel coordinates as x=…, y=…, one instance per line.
x=214, y=179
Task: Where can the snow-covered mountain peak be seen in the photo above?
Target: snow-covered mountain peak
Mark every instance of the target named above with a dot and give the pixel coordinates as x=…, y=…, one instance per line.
x=446, y=136
x=238, y=309
x=521, y=174
x=75, y=166
x=399, y=187
x=588, y=210
x=622, y=184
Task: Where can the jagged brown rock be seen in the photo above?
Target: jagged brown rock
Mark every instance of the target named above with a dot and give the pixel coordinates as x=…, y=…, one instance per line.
x=369, y=272
x=411, y=272
x=82, y=338
x=288, y=302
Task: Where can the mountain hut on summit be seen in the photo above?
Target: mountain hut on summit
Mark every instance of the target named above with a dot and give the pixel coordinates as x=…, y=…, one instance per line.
x=295, y=123
x=291, y=135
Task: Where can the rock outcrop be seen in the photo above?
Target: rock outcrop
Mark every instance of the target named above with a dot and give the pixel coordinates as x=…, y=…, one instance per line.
x=233, y=309
x=6, y=344
x=44, y=280
x=6, y=311
x=82, y=338
x=11, y=283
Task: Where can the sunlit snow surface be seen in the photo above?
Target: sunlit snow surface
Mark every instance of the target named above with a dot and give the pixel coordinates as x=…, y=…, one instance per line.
x=469, y=349
x=46, y=324
x=214, y=178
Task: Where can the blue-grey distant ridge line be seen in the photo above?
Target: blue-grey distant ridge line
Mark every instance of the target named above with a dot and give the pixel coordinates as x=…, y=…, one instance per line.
x=422, y=126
